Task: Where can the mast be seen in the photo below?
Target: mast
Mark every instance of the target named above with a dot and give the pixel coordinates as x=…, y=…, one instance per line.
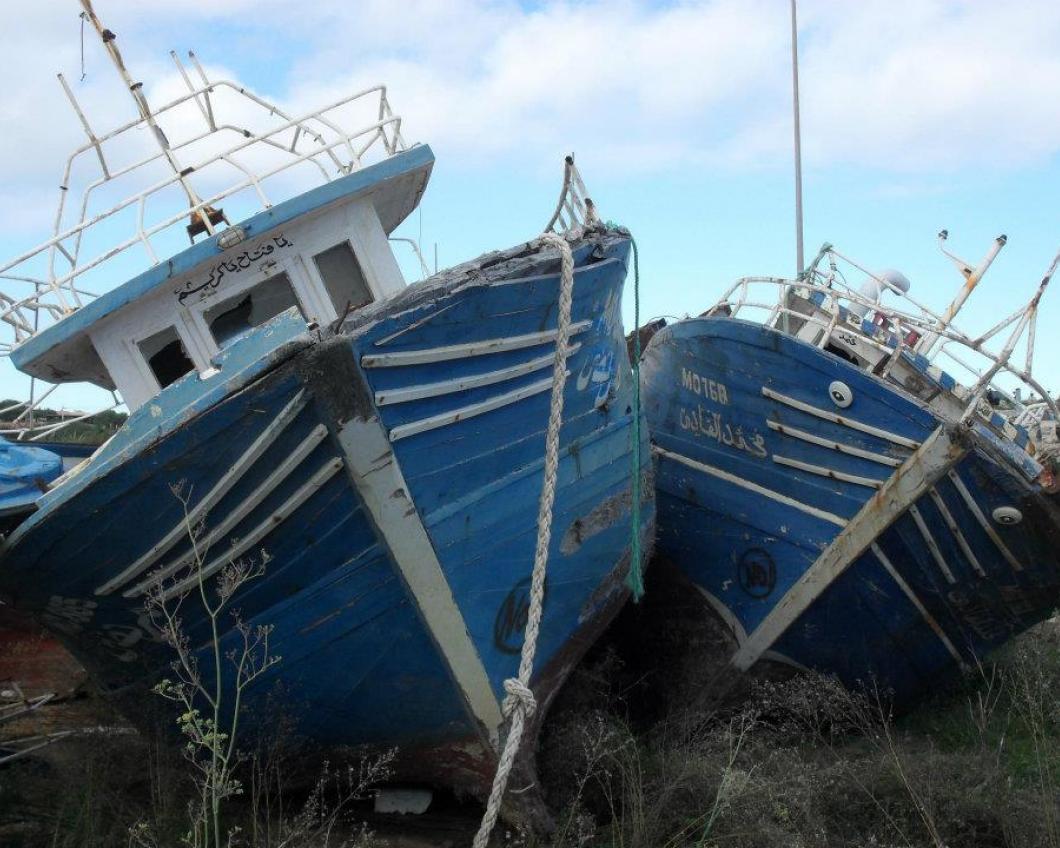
x=972, y=275
x=109, y=40
x=798, y=141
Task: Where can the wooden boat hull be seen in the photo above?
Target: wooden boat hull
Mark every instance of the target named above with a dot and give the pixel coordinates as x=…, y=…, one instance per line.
x=867, y=540
x=396, y=505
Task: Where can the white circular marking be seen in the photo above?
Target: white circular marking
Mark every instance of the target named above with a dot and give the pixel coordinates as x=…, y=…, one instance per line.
x=840, y=394
x=1007, y=515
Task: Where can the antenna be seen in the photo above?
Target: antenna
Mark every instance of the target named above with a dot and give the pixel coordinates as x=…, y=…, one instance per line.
x=798, y=140
x=109, y=40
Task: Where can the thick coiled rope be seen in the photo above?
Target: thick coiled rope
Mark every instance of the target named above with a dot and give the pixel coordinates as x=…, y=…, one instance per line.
x=519, y=703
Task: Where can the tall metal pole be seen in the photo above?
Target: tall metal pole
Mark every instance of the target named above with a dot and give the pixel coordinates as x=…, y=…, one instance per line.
x=136, y=91
x=798, y=140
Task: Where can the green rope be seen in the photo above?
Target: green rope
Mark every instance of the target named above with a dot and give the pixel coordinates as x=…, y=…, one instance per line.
x=635, y=579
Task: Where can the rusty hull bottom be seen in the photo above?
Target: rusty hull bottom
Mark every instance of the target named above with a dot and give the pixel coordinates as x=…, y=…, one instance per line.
x=35, y=660
x=466, y=766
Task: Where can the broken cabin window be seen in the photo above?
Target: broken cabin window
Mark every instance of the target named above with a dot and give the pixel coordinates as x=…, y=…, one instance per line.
x=166, y=356
x=343, y=277
x=232, y=318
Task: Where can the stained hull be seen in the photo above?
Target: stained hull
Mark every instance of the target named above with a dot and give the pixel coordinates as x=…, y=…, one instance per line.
x=858, y=540
x=34, y=660
x=396, y=504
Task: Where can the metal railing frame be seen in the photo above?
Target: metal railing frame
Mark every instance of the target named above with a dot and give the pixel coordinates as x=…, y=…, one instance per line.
x=833, y=285
x=58, y=294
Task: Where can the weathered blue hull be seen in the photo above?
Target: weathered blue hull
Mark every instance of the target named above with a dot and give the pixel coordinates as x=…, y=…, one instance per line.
x=858, y=540
x=391, y=472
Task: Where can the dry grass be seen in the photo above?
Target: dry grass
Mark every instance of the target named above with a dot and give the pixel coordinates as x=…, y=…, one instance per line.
x=806, y=763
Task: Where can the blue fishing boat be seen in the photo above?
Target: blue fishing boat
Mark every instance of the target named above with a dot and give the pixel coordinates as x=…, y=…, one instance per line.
x=835, y=496
x=25, y=472
x=381, y=445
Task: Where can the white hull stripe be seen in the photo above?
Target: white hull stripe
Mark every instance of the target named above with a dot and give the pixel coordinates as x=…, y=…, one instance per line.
x=415, y=325
x=784, y=659
x=784, y=429
x=290, y=462
x=725, y=614
x=751, y=487
x=821, y=471
x=929, y=619
x=850, y=423
x=917, y=474
x=466, y=349
x=375, y=474
x=459, y=384
x=966, y=549
x=932, y=545
x=984, y=522
x=220, y=489
x=281, y=514
x=443, y=419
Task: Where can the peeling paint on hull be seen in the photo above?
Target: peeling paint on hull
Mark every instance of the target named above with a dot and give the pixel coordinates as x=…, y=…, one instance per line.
x=364, y=660
x=764, y=505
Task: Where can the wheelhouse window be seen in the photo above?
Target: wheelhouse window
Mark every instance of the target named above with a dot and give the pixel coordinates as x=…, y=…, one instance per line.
x=343, y=278
x=166, y=356
x=233, y=318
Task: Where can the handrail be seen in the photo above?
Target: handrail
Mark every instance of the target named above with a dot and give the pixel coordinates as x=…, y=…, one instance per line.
x=317, y=138
x=574, y=208
x=33, y=432
x=946, y=339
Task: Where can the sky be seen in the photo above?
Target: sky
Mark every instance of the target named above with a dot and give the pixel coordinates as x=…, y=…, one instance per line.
x=916, y=116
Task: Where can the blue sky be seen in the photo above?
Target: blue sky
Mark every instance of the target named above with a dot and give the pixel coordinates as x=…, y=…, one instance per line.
x=917, y=116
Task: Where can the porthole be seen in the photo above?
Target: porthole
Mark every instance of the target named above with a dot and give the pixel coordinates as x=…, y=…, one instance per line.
x=840, y=394
x=1007, y=515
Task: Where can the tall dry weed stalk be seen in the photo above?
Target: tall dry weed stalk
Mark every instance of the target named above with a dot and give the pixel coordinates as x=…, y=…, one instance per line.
x=209, y=699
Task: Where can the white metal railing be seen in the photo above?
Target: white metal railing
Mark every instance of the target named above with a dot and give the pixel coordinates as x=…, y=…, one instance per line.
x=24, y=426
x=324, y=140
x=574, y=209
x=910, y=328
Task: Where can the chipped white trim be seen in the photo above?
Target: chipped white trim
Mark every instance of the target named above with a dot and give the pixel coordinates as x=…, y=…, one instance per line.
x=929, y=619
x=822, y=471
x=385, y=397
x=377, y=477
x=784, y=659
x=929, y=540
x=850, y=423
x=232, y=476
x=443, y=419
x=290, y=462
x=751, y=487
x=966, y=496
x=966, y=549
x=795, y=433
x=725, y=614
x=278, y=516
x=917, y=474
x=465, y=350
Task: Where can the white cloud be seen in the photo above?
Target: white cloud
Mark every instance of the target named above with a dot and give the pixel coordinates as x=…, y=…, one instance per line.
x=906, y=87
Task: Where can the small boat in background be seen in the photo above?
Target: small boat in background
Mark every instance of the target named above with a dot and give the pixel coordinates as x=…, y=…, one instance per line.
x=382, y=444
x=28, y=470
x=25, y=473
x=842, y=502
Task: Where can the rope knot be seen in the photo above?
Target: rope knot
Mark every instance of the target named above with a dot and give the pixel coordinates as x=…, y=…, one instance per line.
x=519, y=695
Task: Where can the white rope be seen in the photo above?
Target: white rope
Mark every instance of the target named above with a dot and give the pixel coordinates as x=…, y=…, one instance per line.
x=519, y=704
